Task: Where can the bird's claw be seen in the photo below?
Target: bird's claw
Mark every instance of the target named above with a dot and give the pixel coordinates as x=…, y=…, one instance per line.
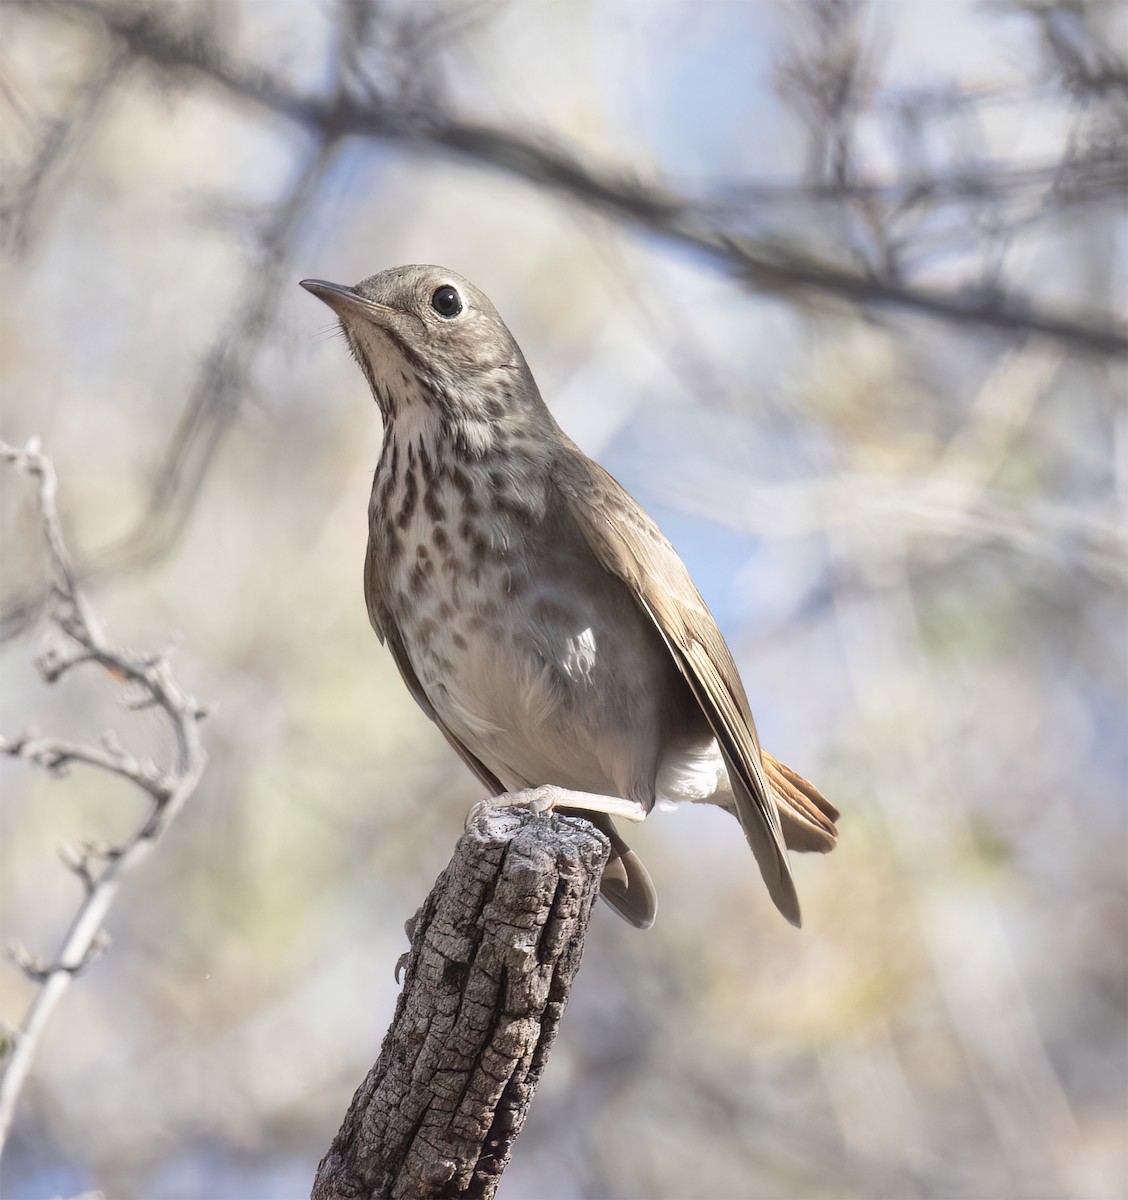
x=538, y=801
x=401, y=964
x=543, y=799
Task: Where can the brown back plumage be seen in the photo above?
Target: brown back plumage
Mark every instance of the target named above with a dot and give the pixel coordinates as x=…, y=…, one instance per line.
x=630, y=546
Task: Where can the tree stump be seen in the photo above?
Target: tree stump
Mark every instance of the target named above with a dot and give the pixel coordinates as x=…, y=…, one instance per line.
x=494, y=950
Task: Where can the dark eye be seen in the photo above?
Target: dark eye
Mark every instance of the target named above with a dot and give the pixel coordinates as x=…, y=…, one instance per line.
x=446, y=302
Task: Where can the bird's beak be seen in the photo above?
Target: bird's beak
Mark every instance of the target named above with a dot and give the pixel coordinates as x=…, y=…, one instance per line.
x=347, y=301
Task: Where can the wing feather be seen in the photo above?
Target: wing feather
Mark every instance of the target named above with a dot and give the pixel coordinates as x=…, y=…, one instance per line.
x=631, y=546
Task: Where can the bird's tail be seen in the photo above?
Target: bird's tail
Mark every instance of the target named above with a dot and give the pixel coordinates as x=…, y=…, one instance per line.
x=807, y=816
x=626, y=885
x=808, y=824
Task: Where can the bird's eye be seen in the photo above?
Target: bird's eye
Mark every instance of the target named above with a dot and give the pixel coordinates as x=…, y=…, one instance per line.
x=446, y=302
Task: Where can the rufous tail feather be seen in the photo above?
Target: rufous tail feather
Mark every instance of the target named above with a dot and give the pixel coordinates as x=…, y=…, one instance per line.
x=807, y=815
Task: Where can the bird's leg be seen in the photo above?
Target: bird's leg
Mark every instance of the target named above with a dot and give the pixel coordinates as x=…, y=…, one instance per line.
x=544, y=799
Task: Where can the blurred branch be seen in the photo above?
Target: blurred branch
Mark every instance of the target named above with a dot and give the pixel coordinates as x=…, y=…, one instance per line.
x=387, y=85
x=494, y=951
x=221, y=388
x=950, y=503
x=1086, y=62
x=1063, y=536
x=1002, y=406
x=425, y=123
x=225, y=382
x=101, y=869
x=1097, y=176
x=883, y=639
x=22, y=206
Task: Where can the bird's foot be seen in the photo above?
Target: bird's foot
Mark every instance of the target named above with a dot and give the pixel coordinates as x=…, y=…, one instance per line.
x=544, y=799
x=408, y=928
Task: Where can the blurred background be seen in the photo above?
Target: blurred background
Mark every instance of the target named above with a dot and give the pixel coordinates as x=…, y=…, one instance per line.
x=834, y=288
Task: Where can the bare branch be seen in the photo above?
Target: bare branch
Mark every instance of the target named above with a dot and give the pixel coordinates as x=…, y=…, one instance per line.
x=56, y=756
x=81, y=639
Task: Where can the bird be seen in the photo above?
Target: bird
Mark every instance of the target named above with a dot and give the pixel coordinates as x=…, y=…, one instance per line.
x=536, y=613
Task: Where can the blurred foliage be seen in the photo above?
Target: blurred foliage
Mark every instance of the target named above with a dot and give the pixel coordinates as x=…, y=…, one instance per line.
x=833, y=288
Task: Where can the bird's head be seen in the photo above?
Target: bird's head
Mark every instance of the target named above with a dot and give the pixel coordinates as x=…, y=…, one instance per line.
x=423, y=335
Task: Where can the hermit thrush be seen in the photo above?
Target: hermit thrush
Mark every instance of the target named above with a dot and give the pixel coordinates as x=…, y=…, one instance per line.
x=536, y=613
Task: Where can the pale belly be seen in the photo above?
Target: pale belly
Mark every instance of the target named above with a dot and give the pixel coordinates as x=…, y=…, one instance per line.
x=551, y=673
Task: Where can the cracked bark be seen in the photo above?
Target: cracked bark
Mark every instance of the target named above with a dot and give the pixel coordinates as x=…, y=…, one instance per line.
x=494, y=950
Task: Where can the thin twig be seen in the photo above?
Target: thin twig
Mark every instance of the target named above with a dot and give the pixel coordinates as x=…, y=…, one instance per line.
x=150, y=677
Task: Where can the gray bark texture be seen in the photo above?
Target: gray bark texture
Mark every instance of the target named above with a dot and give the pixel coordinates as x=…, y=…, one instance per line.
x=494, y=950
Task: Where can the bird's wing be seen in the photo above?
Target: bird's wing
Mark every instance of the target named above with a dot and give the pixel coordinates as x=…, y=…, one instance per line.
x=630, y=546
x=387, y=630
